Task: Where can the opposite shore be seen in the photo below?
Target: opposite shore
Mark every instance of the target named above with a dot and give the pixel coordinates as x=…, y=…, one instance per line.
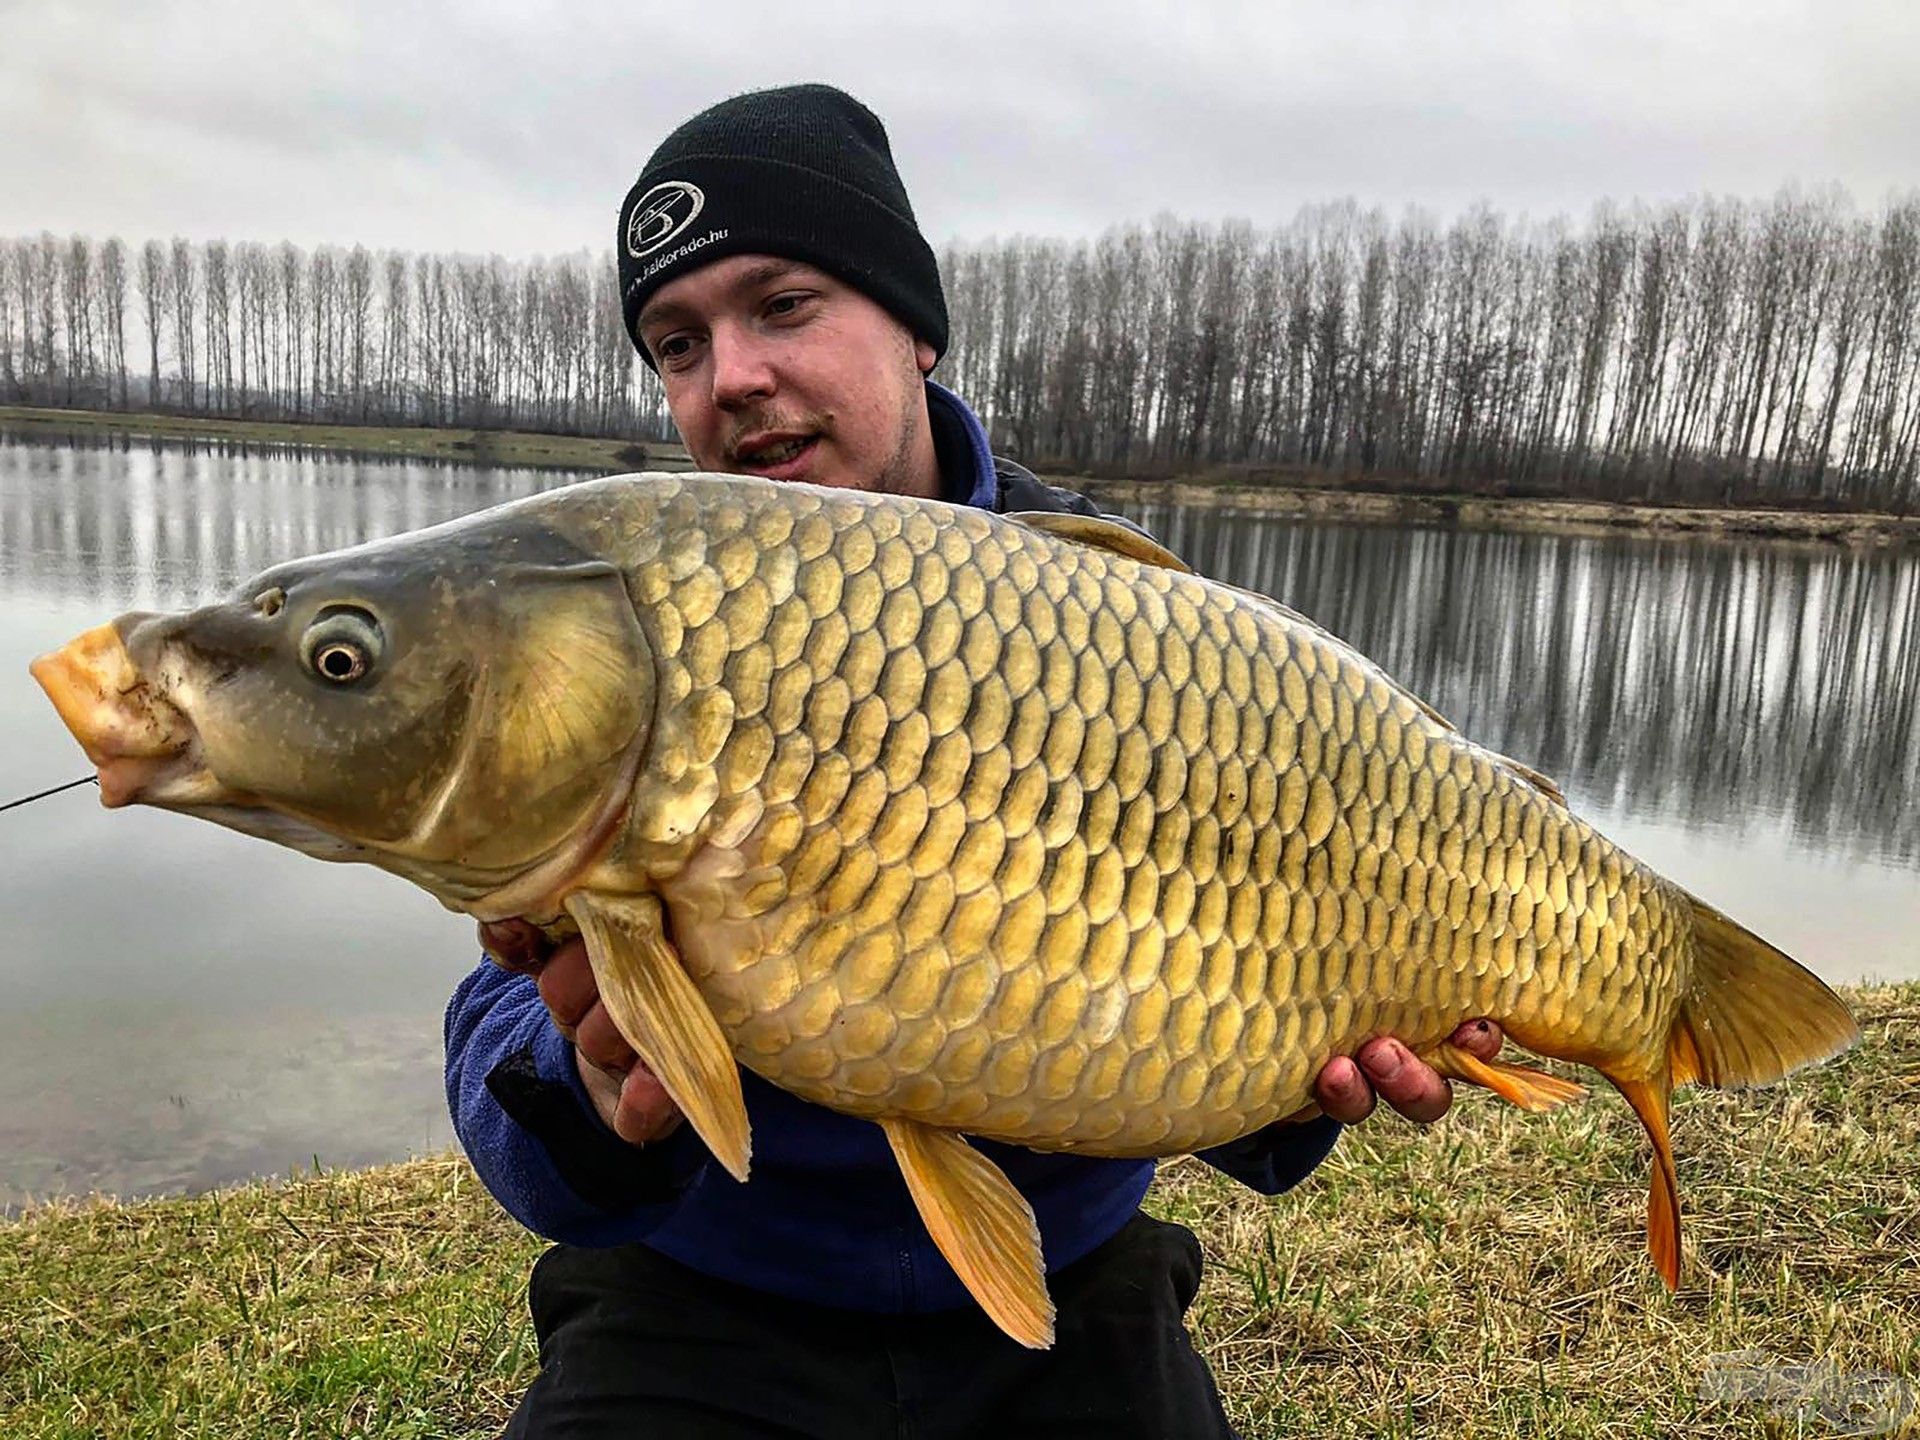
x=1278, y=497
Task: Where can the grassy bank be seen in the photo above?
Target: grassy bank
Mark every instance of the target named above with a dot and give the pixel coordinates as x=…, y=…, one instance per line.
x=483, y=447
x=1483, y=1278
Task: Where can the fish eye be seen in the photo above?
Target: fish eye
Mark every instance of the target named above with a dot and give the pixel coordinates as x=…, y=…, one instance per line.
x=342, y=644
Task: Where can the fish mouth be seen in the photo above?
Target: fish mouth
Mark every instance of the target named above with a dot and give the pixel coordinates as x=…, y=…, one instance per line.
x=144, y=748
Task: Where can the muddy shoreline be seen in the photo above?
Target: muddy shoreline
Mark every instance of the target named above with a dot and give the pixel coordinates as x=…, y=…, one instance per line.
x=1363, y=507
x=1477, y=512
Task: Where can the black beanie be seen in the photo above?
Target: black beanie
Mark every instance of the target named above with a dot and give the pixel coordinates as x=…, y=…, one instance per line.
x=804, y=173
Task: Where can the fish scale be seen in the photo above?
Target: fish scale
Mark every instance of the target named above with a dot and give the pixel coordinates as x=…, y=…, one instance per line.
x=1066, y=849
x=973, y=825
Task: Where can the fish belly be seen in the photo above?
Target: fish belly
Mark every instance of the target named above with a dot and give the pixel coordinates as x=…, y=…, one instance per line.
x=1036, y=841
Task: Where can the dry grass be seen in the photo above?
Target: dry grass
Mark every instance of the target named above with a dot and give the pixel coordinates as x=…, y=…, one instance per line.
x=1489, y=1277
x=1486, y=1277
x=386, y=1302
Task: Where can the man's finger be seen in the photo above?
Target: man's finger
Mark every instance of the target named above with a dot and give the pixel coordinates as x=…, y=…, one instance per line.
x=645, y=1112
x=1343, y=1092
x=567, y=985
x=597, y=1039
x=517, y=945
x=1411, y=1086
x=1481, y=1038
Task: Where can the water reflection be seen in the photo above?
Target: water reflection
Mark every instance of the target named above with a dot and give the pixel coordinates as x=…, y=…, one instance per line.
x=185, y=1006
x=119, y=523
x=1701, y=681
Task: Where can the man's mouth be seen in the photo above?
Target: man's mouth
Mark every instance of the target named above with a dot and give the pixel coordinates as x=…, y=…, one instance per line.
x=775, y=456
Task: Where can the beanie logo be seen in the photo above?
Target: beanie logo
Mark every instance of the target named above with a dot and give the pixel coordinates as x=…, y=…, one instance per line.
x=662, y=213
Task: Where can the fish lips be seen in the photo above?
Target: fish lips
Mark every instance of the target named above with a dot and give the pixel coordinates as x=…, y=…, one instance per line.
x=144, y=747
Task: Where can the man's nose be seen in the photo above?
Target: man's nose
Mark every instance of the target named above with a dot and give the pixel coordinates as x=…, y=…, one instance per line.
x=742, y=368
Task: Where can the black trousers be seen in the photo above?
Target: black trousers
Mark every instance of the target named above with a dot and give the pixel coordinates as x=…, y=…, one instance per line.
x=634, y=1346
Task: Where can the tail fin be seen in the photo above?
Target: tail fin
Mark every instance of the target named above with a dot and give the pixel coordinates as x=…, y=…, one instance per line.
x=1751, y=1013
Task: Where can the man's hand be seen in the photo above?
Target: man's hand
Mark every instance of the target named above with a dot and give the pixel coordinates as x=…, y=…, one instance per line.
x=1383, y=1068
x=628, y=1098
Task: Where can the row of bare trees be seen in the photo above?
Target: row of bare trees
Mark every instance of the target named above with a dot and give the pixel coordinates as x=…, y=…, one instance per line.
x=277, y=332
x=1714, y=351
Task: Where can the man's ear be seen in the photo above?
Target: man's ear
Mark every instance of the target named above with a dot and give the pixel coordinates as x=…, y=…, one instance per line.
x=923, y=355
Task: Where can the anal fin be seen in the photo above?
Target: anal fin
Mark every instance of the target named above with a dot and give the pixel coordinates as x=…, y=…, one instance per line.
x=1517, y=1084
x=982, y=1225
x=654, y=1003
x=1650, y=1102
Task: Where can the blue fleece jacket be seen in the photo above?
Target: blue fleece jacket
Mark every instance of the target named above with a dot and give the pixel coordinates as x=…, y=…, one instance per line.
x=825, y=1216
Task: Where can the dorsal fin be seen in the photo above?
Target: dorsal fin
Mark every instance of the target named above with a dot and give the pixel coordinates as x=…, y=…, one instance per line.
x=1105, y=534
x=1102, y=534
x=1544, y=784
x=1547, y=787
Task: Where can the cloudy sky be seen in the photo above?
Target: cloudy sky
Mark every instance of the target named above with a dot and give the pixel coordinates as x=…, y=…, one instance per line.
x=492, y=126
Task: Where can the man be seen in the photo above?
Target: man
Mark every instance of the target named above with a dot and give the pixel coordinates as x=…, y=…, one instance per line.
x=773, y=274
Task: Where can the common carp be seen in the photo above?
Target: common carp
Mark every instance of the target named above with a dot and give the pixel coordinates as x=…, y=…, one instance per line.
x=968, y=824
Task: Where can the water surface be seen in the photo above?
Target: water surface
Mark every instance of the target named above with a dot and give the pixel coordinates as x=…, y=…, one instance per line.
x=185, y=1006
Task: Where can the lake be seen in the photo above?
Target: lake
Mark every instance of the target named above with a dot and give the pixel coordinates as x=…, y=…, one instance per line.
x=185, y=1006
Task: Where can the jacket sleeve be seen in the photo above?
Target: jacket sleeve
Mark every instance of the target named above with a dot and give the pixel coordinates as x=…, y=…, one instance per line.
x=527, y=1124
x=1275, y=1159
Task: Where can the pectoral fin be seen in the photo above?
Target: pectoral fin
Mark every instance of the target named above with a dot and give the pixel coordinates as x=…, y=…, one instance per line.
x=982, y=1225
x=1529, y=1089
x=652, y=1000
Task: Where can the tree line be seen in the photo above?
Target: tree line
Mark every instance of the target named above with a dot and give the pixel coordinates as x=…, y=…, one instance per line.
x=333, y=335
x=1711, y=351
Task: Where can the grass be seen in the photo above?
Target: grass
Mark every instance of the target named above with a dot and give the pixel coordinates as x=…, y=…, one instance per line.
x=483, y=447
x=1486, y=1277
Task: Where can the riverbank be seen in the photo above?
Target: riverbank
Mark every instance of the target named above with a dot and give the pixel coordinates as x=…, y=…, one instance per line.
x=1588, y=517
x=1305, y=502
x=1487, y=1277
x=476, y=447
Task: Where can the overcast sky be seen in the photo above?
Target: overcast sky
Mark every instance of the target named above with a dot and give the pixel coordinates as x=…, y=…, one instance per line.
x=490, y=126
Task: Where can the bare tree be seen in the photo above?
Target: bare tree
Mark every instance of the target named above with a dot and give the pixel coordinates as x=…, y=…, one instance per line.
x=112, y=285
x=183, y=288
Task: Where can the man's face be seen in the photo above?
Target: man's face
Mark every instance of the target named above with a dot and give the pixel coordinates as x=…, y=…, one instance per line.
x=775, y=368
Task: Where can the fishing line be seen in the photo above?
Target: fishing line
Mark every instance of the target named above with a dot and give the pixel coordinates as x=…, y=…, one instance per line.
x=83, y=780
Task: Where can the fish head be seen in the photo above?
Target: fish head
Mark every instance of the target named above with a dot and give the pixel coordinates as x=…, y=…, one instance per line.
x=458, y=705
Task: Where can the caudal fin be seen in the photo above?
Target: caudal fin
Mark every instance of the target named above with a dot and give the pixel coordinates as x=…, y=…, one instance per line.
x=1751, y=1014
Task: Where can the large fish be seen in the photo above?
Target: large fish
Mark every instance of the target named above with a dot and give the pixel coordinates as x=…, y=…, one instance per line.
x=969, y=824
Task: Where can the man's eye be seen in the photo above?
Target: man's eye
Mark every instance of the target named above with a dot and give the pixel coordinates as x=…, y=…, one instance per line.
x=674, y=347
x=785, y=304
